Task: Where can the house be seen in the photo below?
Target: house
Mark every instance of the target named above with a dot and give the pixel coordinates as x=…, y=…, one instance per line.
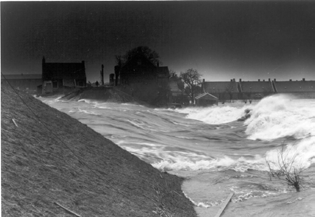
x=303, y=88
x=294, y=86
x=256, y=89
x=206, y=99
x=223, y=90
x=143, y=79
x=27, y=82
x=138, y=70
x=59, y=75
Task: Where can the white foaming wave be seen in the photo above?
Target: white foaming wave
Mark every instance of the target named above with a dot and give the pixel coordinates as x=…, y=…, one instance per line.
x=280, y=116
x=87, y=112
x=50, y=100
x=214, y=114
x=172, y=160
x=183, y=163
x=300, y=155
x=245, y=194
x=86, y=101
x=202, y=204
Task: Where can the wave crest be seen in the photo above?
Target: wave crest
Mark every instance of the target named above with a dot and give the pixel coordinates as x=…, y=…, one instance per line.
x=281, y=116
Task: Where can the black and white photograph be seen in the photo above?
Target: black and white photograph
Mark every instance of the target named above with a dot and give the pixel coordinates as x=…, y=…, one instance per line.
x=158, y=108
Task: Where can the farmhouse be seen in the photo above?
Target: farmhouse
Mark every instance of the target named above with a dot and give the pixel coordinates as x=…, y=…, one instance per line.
x=59, y=75
x=143, y=79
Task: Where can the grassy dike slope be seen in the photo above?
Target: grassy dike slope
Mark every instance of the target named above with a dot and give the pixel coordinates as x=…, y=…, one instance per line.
x=60, y=160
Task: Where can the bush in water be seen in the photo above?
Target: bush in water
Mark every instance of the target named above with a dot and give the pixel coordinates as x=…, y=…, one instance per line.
x=285, y=169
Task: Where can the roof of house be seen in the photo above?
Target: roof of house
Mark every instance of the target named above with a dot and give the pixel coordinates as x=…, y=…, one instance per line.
x=257, y=86
x=64, y=70
x=220, y=87
x=294, y=86
x=23, y=76
x=206, y=96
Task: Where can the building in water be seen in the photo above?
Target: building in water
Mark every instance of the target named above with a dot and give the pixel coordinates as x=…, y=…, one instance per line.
x=141, y=78
x=256, y=89
x=206, y=99
x=60, y=75
x=223, y=90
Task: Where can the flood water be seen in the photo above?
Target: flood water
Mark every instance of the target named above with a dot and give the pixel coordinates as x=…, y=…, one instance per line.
x=216, y=153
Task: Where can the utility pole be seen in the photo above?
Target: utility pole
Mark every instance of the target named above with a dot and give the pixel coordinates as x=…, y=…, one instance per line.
x=102, y=75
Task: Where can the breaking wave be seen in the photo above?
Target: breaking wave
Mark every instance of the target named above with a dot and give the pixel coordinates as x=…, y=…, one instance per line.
x=280, y=116
x=214, y=114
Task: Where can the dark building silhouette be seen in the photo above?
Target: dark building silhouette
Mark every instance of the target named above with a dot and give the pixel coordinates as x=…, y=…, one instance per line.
x=143, y=79
x=59, y=75
x=139, y=69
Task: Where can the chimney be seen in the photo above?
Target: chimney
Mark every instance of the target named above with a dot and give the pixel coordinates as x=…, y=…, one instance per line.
x=264, y=80
x=290, y=79
x=158, y=64
x=274, y=79
x=258, y=80
x=240, y=80
x=269, y=79
x=303, y=79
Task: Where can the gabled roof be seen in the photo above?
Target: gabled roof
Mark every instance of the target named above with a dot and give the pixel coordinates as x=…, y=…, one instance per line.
x=64, y=70
x=294, y=86
x=256, y=86
x=206, y=96
x=23, y=76
x=220, y=87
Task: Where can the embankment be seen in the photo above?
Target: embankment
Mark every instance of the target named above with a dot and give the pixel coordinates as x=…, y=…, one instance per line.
x=49, y=158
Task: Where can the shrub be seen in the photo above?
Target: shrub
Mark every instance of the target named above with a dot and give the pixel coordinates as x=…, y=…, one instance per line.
x=285, y=169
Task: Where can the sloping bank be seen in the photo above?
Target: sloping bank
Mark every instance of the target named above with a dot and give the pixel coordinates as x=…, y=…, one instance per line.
x=50, y=161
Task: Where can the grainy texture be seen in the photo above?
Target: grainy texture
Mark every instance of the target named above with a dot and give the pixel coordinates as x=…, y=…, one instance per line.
x=51, y=157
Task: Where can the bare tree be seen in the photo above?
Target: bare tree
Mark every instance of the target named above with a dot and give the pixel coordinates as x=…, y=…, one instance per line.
x=192, y=79
x=286, y=170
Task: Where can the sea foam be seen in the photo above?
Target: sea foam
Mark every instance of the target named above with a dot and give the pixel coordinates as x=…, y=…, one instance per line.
x=281, y=116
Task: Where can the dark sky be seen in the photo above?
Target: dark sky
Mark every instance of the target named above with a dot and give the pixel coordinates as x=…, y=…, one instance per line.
x=222, y=40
